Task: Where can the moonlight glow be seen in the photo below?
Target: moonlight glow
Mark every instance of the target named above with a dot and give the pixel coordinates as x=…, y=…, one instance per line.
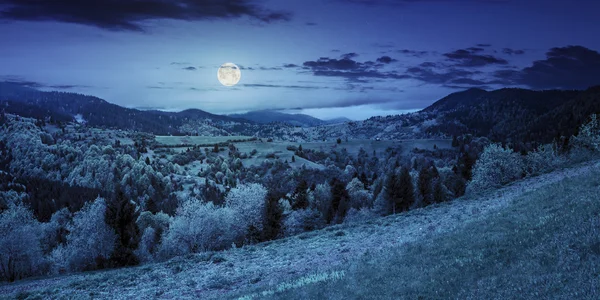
x=229, y=74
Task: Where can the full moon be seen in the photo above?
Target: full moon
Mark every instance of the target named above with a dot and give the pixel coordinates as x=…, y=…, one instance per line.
x=229, y=74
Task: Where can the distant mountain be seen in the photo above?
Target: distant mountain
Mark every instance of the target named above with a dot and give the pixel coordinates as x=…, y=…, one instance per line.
x=337, y=120
x=97, y=112
x=271, y=116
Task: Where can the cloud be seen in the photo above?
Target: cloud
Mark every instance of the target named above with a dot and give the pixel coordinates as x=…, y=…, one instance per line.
x=484, y=45
x=190, y=68
x=475, y=49
x=270, y=68
x=349, y=69
x=303, y=87
x=414, y=53
x=20, y=81
x=405, y=2
x=310, y=24
x=290, y=66
x=510, y=51
x=386, y=59
x=349, y=55
x=469, y=58
x=570, y=67
x=129, y=15
x=451, y=75
x=336, y=50
x=176, y=63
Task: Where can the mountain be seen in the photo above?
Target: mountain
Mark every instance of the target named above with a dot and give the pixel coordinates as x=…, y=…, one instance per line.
x=273, y=116
x=337, y=120
x=513, y=115
x=62, y=106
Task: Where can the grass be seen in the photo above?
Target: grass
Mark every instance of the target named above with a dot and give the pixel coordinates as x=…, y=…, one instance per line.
x=196, y=140
x=545, y=245
x=536, y=238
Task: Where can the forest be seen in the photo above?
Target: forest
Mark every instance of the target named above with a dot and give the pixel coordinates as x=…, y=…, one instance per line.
x=77, y=199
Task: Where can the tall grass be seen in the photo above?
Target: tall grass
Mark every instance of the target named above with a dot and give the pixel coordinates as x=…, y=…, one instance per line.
x=546, y=246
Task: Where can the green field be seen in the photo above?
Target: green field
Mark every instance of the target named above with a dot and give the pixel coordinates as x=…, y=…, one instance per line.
x=196, y=140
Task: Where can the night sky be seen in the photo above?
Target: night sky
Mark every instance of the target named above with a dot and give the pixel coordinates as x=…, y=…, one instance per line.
x=328, y=58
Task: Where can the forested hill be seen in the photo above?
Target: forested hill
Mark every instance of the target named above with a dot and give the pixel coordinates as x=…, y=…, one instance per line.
x=514, y=115
x=268, y=116
x=97, y=112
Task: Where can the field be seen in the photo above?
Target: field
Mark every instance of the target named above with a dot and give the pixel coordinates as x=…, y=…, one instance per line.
x=280, y=148
x=196, y=140
x=534, y=239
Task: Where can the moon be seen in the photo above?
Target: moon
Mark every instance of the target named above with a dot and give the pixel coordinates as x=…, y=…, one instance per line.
x=229, y=74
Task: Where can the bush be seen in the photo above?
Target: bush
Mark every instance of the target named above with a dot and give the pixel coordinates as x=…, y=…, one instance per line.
x=90, y=241
x=545, y=159
x=20, y=251
x=248, y=202
x=587, y=143
x=200, y=227
x=495, y=167
x=298, y=221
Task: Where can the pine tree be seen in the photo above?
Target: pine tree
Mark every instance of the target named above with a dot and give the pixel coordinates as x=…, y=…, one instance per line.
x=121, y=215
x=339, y=198
x=300, y=196
x=147, y=160
x=293, y=158
x=406, y=190
x=272, y=221
x=438, y=191
x=424, y=185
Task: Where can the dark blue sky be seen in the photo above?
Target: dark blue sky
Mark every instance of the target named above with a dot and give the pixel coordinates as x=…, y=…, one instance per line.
x=354, y=58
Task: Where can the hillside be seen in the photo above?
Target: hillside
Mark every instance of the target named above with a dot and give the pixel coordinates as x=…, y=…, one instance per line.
x=97, y=112
x=516, y=240
x=522, y=117
x=513, y=115
x=273, y=116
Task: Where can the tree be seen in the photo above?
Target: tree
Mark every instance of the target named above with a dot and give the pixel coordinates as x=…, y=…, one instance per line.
x=272, y=221
x=121, y=215
x=147, y=160
x=20, y=251
x=399, y=191
x=90, y=241
x=300, y=148
x=496, y=166
x=424, y=185
x=339, y=141
x=439, y=194
x=200, y=227
x=293, y=158
x=248, y=203
x=300, y=197
x=339, y=202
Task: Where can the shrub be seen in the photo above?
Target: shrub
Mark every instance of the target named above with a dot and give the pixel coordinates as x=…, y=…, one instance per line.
x=587, y=142
x=248, y=202
x=545, y=159
x=495, y=167
x=20, y=251
x=90, y=240
x=200, y=227
x=298, y=221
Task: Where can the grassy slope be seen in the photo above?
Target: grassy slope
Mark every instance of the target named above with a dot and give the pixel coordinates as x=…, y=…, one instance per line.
x=545, y=245
x=536, y=237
